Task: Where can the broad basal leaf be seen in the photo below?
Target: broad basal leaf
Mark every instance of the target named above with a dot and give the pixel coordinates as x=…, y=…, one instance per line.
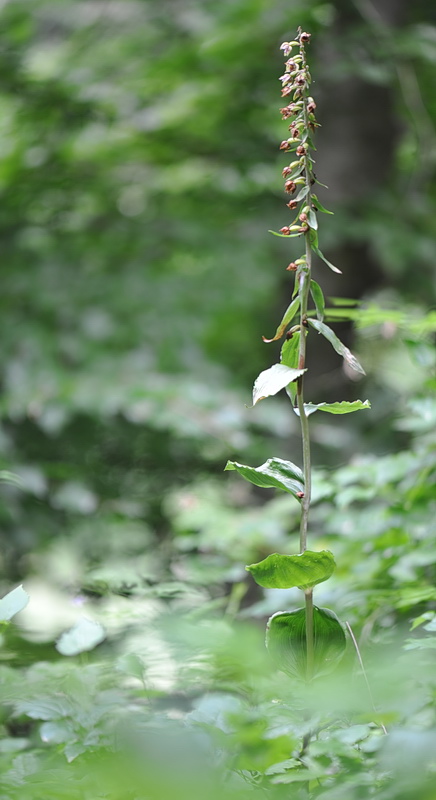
x=337, y=344
x=274, y=474
x=286, y=641
x=12, y=603
x=84, y=635
x=284, y=572
x=272, y=380
x=343, y=407
x=287, y=318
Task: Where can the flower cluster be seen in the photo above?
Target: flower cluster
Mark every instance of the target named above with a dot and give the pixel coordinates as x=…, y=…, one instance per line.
x=300, y=111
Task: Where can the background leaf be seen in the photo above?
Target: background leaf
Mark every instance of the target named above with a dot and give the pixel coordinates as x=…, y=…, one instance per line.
x=83, y=636
x=12, y=603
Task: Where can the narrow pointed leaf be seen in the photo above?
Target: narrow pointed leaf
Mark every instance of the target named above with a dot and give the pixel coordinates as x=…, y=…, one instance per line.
x=272, y=380
x=274, y=474
x=302, y=193
x=313, y=220
x=285, y=572
x=318, y=299
x=285, y=235
x=319, y=205
x=343, y=407
x=12, y=603
x=321, y=255
x=287, y=318
x=286, y=641
x=337, y=344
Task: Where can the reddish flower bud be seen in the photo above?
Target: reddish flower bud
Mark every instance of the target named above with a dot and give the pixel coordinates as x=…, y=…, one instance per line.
x=292, y=204
x=290, y=187
x=304, y=229
x=311, y=107
x=300, y=494
x=301, y=150
x=287, y=90
x=303, y=217
x=300, y=80
x=286, y=230
x=287, y=171
x=305, y=37
x=292, y=267
x=291, y=65
x=285, y=145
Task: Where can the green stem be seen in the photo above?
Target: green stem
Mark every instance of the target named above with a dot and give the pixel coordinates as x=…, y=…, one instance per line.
x=309, y=634
x=304, y=288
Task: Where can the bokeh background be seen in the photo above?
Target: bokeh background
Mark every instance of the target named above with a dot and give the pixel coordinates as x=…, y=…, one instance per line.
x=139, y=175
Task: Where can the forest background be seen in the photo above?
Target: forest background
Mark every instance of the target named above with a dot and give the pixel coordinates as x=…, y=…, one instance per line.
x=139, y=175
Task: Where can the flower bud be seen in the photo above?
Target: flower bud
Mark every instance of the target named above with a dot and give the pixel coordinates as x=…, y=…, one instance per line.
x=292, y=267
x=285, y=230
x=290, y=187
x=285, y=145
x=292, y=204
x=305, y=37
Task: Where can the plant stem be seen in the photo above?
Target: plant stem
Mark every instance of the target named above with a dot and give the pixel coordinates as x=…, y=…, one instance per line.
x=304, y=288
x=308, y=595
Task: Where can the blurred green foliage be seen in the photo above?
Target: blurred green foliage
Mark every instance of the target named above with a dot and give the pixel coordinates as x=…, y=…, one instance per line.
x=139, y=174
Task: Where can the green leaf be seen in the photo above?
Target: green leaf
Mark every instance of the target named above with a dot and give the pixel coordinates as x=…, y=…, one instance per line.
x=302, y=193
x=312, y=219
x=10, y=477
x=287, y=317
x=337, y=344
x=274, y=474
x=286, y=641
x=12, y=603
x=290, y=350
x=319, y=205
x=272, y=380
x=289, y=355
x=321, y=255
x=285, y=572
x=318, y=299
x=84, y=635
x=344, y=407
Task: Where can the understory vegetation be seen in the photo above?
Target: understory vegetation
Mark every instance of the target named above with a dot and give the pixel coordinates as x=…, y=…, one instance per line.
x=139, y=174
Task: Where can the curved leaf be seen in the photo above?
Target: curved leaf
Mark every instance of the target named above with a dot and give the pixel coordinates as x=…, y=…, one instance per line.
x=287, y=317
x=272, y=380
x=321, y=255
x=284, y=572
x=318, y=299
x=274, y=474
x=343, y=407
x=286, y=641
x=337, y=344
